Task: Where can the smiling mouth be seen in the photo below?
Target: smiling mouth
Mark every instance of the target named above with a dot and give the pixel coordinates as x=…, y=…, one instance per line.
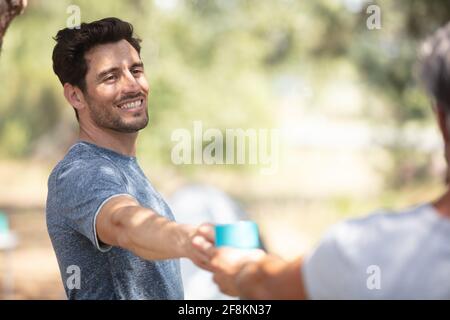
x=130, y=105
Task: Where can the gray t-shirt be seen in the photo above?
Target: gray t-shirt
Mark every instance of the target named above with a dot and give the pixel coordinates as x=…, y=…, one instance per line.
x=78, y=186
x=385, y=255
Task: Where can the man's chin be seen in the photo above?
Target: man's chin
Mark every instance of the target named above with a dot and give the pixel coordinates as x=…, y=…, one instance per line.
x=132, y=127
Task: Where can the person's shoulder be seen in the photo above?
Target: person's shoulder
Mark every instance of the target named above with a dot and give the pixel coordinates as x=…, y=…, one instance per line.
x=378, y=224
x=385, y=218
x=81, y=160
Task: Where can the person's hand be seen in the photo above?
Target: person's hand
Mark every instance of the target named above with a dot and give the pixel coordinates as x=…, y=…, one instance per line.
x=199, y=246
x=228, y=262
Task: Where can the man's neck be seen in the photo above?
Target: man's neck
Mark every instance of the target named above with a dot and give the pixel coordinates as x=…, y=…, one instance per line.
x=123, y=143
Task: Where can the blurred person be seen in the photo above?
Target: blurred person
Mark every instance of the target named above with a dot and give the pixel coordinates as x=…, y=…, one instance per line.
x=104, y=217
x=386, y=255
x=195, y=203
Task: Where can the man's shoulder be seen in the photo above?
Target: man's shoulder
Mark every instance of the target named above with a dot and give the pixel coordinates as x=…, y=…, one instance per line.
x=80, y=160
x=379, y=224
x=384, y=218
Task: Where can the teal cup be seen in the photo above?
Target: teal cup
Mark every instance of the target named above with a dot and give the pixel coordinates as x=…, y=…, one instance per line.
x=242, y=235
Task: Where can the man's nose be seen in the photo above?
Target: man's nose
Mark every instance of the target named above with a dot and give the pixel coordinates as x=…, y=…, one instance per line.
x=129, y=82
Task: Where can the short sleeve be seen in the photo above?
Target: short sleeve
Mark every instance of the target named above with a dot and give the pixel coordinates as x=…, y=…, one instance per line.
x=81, y=189
x=327, y=271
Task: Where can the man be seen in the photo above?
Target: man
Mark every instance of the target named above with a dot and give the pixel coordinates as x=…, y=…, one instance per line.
x=114, y=236
x=383, y=256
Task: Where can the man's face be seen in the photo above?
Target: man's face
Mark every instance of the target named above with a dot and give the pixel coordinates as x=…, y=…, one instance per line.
x=116, y=87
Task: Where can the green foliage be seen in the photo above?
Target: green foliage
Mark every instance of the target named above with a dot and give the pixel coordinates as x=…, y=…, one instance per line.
x=216, y=61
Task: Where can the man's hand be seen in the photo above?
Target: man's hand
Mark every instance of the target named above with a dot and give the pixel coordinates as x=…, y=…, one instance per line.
x=256, y=275
x=227, y=263
x=199, y=245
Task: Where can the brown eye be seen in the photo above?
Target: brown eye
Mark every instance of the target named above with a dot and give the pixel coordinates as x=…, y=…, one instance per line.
x=110, y=78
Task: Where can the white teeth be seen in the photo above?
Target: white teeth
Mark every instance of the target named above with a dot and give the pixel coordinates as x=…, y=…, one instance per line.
x=131, y=105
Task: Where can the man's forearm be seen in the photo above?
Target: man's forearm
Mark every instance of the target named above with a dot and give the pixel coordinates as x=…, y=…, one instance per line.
x=149, y=235
x=271, y=278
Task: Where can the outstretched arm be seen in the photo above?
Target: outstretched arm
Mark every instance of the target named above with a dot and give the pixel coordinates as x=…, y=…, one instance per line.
x=123, y=222
x=258, y=276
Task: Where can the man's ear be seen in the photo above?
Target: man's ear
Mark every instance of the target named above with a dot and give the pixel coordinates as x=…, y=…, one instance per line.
x=74, y=96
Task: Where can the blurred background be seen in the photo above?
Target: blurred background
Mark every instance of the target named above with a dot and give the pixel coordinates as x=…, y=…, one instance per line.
x=357, y=132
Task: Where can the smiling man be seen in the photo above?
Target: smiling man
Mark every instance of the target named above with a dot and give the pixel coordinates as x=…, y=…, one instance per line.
x=103, y=215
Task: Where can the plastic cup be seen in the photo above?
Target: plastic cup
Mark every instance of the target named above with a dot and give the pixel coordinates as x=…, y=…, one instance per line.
x=242, y=235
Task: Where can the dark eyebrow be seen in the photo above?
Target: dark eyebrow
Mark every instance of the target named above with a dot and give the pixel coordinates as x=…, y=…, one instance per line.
x=115, y=69
x=138, y=65
x=105, y=72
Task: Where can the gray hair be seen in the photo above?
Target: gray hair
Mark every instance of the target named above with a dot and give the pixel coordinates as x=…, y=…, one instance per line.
x=434, y=68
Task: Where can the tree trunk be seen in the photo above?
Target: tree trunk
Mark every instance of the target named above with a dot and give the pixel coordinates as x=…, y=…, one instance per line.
x=9, y=9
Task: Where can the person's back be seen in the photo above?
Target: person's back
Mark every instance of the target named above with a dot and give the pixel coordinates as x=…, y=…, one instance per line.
x=387, y=255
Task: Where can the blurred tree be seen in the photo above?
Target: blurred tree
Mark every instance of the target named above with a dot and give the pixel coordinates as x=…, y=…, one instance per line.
x=217, y=60
x=385, y=60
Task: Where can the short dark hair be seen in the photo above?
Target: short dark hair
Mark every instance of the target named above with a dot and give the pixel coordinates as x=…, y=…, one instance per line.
x=435, y=66
x=69, y=63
